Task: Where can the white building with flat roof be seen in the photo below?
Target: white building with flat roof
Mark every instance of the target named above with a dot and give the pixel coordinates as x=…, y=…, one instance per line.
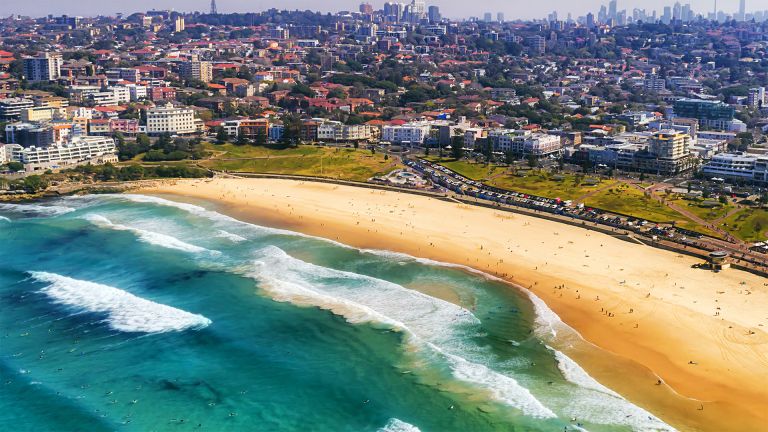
x=170, y=120
x=409, y=133
x=95, y=150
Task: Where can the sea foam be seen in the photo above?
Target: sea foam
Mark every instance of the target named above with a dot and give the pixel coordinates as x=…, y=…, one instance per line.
x=35, y=210
x=431, y=324
x=157, y=239
x=397, y=425
x=125, y=311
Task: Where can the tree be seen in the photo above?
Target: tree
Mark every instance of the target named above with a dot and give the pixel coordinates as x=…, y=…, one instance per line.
x=221, y=135
x=457, y=147
x=15, y=166
x=532, y=161
x=261, y=139
x=34, y=183
x=241, y=140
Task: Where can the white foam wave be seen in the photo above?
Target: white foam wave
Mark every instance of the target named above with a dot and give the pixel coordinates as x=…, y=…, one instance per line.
x=230, y=236
x=600, y=404
x=502, y=387
x=397, y=425
x=429, y=323
x=125, y=311
x=36, y=209
x=4, y=219
x=157, y=239
x=215, y=216
x=575, y=374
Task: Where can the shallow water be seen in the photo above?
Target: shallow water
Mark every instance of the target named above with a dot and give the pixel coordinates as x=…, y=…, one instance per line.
x=129, y=312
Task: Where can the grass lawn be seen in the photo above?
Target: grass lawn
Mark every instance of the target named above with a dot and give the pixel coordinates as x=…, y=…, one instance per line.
x=749, y=224
x=471, y=170
x=339, y=163
x=534, y=182
x=542, y=183
x=631, y=201
x=708, y=214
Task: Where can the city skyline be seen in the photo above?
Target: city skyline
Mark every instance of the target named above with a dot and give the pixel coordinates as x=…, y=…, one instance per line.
x=449, y=8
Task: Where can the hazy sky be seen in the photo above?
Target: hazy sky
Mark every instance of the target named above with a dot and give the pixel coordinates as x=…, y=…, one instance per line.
x=450, y=8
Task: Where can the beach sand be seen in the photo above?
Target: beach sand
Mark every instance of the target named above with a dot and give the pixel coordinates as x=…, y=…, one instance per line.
x=651, y=314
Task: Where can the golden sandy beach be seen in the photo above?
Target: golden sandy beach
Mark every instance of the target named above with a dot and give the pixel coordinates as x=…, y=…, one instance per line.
x=704, y=334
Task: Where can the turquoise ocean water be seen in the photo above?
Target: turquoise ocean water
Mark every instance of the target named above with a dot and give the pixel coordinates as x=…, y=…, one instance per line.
x=136, y=313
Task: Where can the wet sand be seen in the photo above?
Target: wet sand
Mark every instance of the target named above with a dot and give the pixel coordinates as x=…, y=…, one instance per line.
x=650, y=313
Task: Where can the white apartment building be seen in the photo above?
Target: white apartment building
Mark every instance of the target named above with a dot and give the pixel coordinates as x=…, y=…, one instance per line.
x=730, y=165
x=337, y=131
x=171, y=120
x=81, y=93
x=10, y=108
x=136, y=92
x=97, y=150
x=121, y=94
x=409, y=133
x=528, y=144
x=103, y=98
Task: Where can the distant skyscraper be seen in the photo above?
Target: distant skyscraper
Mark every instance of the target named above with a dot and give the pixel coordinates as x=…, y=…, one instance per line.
x=488, y=17
x=394, y=11
x=366, y=8
x=612, y=9
x=434, y=14
x=500, y=17
x=590, y=20
x=213, y=7
x=742, y=10
x=677, y=12
x=667, y=17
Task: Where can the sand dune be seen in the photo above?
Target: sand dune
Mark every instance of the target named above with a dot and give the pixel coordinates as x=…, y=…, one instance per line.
x=702, y=333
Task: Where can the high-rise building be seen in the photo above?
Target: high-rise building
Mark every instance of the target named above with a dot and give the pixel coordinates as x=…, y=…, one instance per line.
x=590, y=20
x=536, y=44
x=612, y=9
x=500, y=17
x=756, y=97
x=178, y=24
x=667, y=17
x=434, y=14
x=488, y=17
x=394, y=11
x=45, y=68
x=366, y=8
x=742, y=10
x=196, y=70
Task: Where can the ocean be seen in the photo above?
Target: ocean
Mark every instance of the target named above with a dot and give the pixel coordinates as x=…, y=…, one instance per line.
x=137, y=313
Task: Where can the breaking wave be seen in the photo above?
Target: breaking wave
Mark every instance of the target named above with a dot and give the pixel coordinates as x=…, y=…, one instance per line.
x=431, y=324
x=35, y=210
x=125, y=311
x=397, y=425
x=157, y=239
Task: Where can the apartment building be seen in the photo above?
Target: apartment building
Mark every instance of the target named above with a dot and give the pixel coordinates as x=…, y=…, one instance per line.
x=44, y=68
x=339, y=132
x=10, y=108
x=196, y=70
x=170, y=120
x=408, y=134
x=98, y=150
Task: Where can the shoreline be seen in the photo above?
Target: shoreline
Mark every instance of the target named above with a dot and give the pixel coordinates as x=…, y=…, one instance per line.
x=732, y=396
